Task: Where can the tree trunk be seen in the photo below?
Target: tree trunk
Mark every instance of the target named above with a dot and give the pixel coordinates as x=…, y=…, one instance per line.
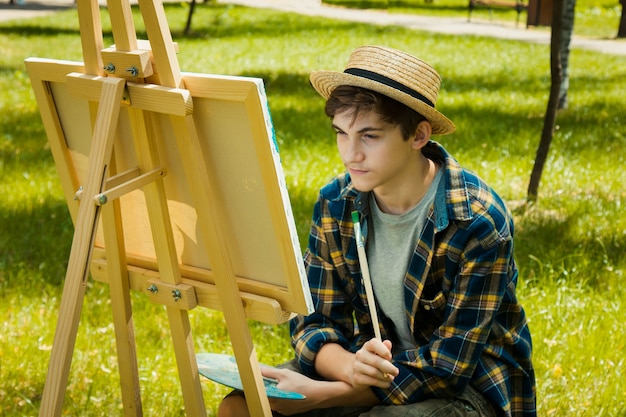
x=552, y=108
x=192, y=6
x=621, y=32
x=568, y=28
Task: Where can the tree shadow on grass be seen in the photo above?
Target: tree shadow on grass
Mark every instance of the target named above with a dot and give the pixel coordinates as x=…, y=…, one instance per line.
x=33, y=29
x=35, y=243
x=23, y=140
x=548, y=245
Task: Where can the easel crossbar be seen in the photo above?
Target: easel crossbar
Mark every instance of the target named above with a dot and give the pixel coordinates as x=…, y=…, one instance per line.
x=149, y=97
x=259, y=308
x=128, y=186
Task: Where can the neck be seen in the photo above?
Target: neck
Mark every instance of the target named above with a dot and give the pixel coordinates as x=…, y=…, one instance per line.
x=403, y=198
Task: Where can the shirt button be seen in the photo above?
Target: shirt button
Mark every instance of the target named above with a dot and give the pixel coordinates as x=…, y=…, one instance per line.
x=427, y=307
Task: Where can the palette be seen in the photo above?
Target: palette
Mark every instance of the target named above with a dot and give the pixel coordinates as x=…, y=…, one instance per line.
x=223, y=369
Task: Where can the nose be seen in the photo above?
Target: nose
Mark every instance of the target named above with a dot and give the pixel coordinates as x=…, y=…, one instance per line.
x=352, y=151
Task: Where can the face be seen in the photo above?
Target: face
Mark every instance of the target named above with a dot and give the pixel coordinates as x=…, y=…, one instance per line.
x=374, y=152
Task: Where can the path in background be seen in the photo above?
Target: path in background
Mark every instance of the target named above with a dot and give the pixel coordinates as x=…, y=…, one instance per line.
x=446, y=25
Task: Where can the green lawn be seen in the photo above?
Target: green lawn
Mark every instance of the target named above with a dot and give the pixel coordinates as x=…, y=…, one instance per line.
x=570, y=246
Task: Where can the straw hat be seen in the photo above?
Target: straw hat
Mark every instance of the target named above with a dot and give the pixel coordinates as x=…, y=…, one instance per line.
x=393, y=73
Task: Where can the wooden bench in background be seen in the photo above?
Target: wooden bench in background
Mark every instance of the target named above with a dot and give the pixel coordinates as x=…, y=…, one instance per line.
x=517, y=5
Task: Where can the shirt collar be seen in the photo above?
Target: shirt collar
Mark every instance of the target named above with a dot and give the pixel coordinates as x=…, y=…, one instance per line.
x=452, y=193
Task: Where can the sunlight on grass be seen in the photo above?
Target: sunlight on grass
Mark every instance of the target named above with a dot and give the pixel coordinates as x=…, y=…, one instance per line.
x=569, y=246
x=560, y=319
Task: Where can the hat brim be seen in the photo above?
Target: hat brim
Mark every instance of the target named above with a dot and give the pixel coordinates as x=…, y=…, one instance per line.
x=324, y=82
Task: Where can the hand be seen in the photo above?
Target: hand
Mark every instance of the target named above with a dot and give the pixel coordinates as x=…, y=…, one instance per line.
x=372, y=366
x=289, y=380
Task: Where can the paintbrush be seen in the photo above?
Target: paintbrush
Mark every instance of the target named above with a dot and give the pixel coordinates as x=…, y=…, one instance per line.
x=365, y=272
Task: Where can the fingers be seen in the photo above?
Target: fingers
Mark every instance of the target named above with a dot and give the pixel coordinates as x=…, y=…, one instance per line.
x=382, y=349
x=387, y=344
x=372, y=376
x=375, y=366
x=270, y=372
x=372, y=364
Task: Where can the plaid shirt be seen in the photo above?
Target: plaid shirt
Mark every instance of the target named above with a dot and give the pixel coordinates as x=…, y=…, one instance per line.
x=459, y=295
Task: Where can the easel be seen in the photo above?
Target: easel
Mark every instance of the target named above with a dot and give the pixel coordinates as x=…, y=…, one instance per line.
x=125, y=77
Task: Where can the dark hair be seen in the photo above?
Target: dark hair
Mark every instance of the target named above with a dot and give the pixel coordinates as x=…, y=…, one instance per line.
x=358, y=100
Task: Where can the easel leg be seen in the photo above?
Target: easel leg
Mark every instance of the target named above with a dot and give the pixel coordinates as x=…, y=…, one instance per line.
x=186, y=361
x=225, y=280
x=82, y=245
x=119, y=288
x=168, y=263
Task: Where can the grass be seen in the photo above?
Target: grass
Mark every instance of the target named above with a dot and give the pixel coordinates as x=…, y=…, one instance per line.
x=569, y=246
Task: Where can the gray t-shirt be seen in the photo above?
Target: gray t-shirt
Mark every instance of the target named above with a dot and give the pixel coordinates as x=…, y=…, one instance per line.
x=390, y=246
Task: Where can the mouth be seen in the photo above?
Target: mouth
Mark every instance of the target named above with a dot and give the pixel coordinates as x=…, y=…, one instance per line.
x=356, y=171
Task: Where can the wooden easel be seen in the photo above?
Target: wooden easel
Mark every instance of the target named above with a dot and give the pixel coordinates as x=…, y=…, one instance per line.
x=112, y=79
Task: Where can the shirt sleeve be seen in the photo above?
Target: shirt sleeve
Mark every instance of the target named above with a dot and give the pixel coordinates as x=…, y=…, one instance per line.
x=332, y=320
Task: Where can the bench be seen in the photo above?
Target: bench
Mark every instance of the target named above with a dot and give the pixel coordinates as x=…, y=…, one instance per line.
x=517, y=5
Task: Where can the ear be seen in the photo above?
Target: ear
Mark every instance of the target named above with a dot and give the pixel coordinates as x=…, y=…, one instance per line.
x=422, y=134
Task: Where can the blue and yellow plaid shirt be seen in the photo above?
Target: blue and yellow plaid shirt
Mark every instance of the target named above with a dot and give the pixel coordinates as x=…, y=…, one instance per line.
x=459, y=295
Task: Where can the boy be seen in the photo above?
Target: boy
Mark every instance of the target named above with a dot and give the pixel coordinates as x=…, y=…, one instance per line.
x=440, y=248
